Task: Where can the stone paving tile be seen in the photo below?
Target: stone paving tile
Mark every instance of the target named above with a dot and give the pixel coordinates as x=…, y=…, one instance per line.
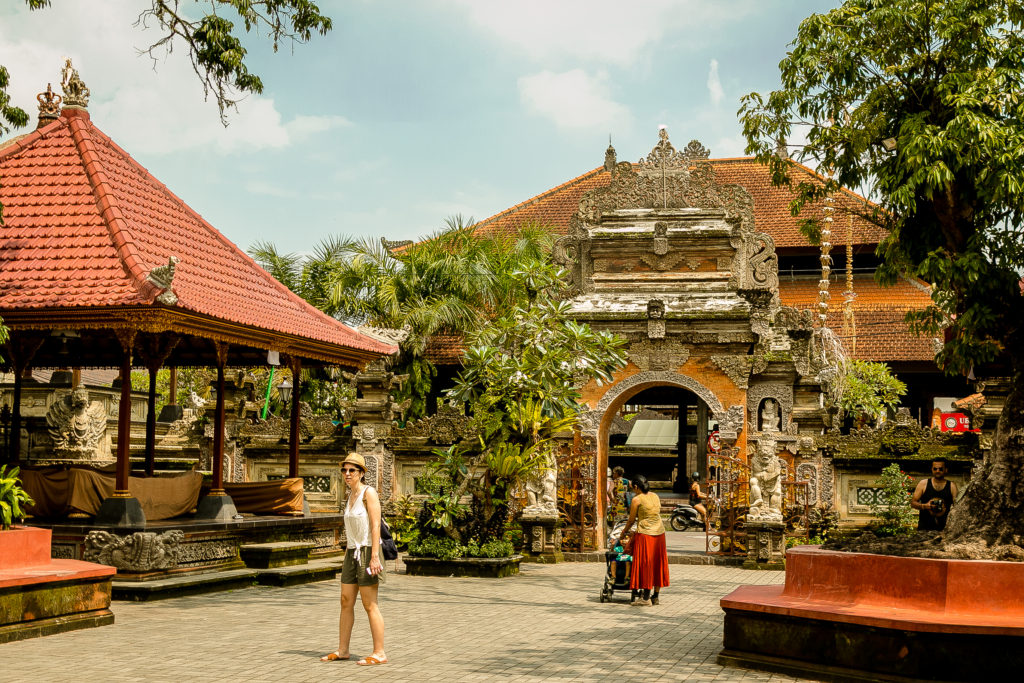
x=545, y=624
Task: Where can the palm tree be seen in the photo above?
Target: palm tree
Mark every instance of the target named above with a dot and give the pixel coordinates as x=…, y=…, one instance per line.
x=445, y=284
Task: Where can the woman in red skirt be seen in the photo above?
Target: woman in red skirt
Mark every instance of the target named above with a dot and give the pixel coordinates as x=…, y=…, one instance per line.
x=650, y=555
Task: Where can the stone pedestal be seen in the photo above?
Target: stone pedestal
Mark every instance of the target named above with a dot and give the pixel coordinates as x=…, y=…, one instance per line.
x=766, y=545
x=542, y=538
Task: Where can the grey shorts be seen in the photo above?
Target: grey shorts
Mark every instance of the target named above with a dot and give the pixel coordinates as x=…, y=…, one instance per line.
x=354, y=569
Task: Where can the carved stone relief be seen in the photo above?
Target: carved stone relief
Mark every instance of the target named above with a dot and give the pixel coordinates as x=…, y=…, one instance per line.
x=657, y=354
x=78, y=426
x=671, y=378
x=138, y=552
x=655, y=319
x=808, y=472
x=735, y=367
x=730, y=424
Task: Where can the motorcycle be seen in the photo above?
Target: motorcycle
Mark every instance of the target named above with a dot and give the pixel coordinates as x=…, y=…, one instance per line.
x=684, y=516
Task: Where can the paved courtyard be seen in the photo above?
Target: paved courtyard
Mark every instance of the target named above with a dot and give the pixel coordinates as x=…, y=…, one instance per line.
x=545, y=624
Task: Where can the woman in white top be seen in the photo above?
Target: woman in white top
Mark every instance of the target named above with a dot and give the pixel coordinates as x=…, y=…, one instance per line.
x=362, y=571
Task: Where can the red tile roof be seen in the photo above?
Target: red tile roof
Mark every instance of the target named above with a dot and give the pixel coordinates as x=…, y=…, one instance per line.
x=85, y=223
x=556, y=206
x=879, y=330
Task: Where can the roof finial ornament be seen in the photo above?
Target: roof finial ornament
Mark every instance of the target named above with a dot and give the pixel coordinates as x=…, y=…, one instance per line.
x=163, y=277
x=76, y=94
x=49, y=106
x=609, y=155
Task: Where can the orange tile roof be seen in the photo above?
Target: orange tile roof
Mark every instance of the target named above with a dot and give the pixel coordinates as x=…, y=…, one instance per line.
x=879, y=330
x=556, y=206
x=445, y=349
x=85, y=223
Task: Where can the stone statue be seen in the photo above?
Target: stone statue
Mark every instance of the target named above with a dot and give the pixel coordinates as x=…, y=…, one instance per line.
x=765, y=483
x=770, y=416
x=541, y=491
x=77, y=425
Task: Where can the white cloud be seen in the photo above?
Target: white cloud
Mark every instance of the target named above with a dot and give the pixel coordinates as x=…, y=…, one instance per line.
x=603, y=31
x=147, y=106
x=573, y=99
x=715, y=84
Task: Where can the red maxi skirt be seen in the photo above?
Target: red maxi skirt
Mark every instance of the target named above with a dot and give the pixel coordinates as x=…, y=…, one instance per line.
x=650, y=562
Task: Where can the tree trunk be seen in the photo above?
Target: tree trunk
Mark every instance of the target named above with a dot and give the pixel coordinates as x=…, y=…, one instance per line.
x=992, y=507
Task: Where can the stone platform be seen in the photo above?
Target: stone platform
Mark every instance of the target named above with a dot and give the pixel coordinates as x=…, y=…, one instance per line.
x=847, y=615
x=184, y=545
x=40, y=595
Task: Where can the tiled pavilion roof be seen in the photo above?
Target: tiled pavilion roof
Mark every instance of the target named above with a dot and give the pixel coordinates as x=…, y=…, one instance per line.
x=879, y=312
x=84, y=224
x=555, y=207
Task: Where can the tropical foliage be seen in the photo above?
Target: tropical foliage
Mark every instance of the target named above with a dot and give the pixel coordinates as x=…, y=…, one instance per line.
x=447, y=284
x=892, y=511
x=921, y=102
x=13, y=498
x=521, y=378
x=870, y=390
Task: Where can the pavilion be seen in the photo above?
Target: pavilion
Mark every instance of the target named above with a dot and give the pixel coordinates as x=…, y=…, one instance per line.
x=102, y=266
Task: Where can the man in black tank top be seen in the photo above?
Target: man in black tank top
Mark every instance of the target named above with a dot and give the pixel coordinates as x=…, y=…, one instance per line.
x=933, y=497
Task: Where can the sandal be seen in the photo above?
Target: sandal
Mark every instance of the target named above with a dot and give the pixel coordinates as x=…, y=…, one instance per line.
x=371, y=661
x=334, y=657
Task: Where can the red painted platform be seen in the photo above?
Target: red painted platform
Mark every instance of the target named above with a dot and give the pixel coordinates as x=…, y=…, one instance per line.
x=855, y=616
x=908, y=593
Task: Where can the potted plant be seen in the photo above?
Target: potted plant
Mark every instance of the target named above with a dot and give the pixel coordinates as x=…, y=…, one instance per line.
x=13, y=498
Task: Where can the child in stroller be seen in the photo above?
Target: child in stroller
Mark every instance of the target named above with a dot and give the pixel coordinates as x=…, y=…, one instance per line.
x=618, y=563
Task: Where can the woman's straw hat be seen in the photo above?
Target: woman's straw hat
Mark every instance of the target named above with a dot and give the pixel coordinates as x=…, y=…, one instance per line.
x=355, y=459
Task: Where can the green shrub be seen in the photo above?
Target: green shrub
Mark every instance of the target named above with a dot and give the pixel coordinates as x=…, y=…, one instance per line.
x=492, y=548
x=437, y=546
x=13, y=498
x=404, y=526
x=894, y=515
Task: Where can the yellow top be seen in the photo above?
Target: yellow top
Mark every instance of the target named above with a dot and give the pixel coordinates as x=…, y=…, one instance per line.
x=648, y=514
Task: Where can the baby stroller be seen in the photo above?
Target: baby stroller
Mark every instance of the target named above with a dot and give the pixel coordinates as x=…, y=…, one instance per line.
x=617, y=578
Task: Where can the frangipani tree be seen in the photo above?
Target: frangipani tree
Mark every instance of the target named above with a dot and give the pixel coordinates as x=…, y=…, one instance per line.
x=922, y=103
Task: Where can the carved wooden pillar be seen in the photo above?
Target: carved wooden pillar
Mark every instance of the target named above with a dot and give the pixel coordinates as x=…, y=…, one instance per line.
x=121, y=510
x=124, y=416
x=154, y=353
x=218, y=423
x=20, y=351
x=217, y=504
x=293, y=432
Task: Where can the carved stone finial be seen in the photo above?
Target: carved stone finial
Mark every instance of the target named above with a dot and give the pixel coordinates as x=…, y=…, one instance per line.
x=163, y=277
x=76, y=94
x=609, y=156
x=49, y=106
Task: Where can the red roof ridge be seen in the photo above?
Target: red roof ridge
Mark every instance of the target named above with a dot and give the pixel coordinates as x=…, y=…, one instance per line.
x=106, y=202
x=216, y=234
x=542, y=195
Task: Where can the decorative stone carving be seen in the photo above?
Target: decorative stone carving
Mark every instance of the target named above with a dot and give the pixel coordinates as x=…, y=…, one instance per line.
x=655, y=319
x=75, y=92
x=541, y=498
x=730, y=425
x=660, y=242
x=735, y=367
x=206, y=551
x=769, y=415
x=657, y=354
x=671, y=378
x=141, y=551
x=163, y=277
x=765, y=483
x=78, y=426
x=445, y=427
x=781, y=393
x=809, y=473
x=386, y=334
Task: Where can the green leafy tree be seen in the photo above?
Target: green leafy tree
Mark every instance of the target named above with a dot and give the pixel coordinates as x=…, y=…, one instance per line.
x=869, y=390
x=894, y=516
x=921, y=102
x=520, y=378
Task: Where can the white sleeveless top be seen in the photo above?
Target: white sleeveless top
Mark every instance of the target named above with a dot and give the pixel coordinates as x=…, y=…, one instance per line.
x=357, y=521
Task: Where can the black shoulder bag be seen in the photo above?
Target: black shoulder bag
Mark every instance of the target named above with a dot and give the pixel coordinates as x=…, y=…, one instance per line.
x=388, y=549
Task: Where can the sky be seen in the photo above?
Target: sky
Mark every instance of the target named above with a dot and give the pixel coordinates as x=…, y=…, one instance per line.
x=409, y=111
